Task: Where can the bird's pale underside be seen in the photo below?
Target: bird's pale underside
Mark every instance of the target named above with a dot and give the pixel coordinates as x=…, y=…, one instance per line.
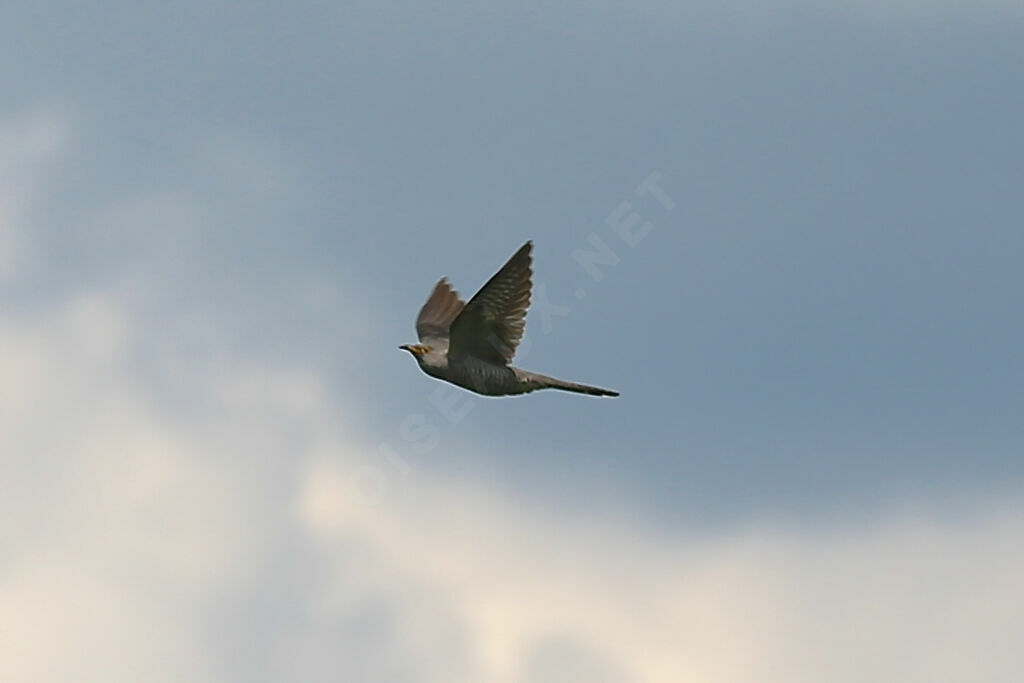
x=471, y=344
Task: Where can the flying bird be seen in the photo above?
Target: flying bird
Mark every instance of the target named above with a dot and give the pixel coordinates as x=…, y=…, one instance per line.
x=471, y=344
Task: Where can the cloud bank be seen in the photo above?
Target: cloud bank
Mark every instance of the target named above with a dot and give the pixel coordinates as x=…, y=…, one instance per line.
x=137, y=541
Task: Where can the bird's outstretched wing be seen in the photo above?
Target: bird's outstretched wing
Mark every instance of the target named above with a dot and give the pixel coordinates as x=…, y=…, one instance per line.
x=437, y=314
x=491, y=324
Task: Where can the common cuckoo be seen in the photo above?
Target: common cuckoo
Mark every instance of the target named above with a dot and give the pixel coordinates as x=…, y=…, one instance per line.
x=471, y=344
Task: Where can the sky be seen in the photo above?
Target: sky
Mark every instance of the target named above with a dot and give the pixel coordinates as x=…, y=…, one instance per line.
x=788, y=232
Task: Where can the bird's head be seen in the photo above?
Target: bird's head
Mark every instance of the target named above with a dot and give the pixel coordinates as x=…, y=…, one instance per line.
x=418, y=351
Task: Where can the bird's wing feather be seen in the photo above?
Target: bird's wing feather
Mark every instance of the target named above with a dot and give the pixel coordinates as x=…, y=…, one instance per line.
x=436, y=316
x=491, y=324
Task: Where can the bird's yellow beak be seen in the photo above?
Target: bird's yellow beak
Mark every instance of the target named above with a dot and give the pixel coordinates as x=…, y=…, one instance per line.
x=415, y=349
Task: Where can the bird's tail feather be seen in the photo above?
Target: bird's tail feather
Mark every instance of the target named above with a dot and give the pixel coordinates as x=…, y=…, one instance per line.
x=545, y=382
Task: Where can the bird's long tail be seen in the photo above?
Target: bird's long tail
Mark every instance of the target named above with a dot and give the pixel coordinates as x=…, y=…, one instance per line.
x=545, y=382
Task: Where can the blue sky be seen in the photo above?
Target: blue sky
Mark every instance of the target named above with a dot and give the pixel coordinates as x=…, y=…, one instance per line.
x=217, y=223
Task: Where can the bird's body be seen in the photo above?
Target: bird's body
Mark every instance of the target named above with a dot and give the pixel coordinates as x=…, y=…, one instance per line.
x=471, y=344
x=474, y=374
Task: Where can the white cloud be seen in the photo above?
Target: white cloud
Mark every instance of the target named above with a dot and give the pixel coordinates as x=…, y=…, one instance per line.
x=126, y=524
x=909, y=599
x=115, y=521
